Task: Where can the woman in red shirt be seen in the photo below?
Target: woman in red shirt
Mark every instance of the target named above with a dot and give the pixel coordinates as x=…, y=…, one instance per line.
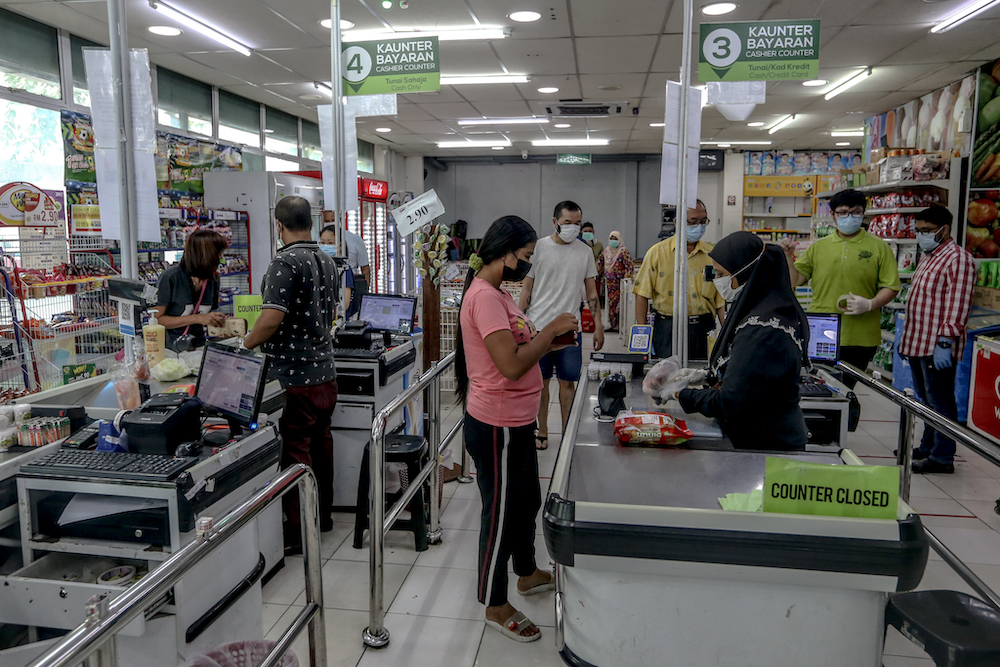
x=500, y=383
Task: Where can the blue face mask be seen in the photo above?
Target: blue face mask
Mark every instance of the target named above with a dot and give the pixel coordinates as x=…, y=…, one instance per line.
x=588, y=236
x=695, y=232
x=329, y=248
x=927, y=242
x=849, y=224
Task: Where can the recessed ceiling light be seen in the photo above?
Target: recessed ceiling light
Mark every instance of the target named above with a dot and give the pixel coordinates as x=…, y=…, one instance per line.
x=473, y=144
x=503, y=121
x=724, y=145
x=756, y=123
x=344, y=24
x=848, y=133
x=268, y=131
x=383, y=130
x=964, y=14
x=843, y=143
x=719, y=8
x=310, y=97
x=497, y=148
x=164, y=30
x=609, y=88
x=386, y=4
x=548, y=90
x=849, y=82
x=815, y=82
x=781, y=123
x=524, y=16
x=741, y=143
x=562, y=126
x=486, y=78
x=657, y=124
x=443, y=34
x=197, y=25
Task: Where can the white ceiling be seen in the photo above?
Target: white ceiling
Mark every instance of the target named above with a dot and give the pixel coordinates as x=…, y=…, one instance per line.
x=578, y=46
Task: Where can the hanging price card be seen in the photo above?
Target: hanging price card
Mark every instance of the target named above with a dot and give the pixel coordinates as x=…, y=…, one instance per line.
x=417, y=211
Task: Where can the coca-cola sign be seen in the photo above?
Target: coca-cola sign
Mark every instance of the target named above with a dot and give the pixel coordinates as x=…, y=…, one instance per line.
x=371, y=189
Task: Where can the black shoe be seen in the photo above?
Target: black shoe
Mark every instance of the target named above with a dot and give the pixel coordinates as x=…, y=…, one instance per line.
x=930, y=466
x=325, y=525
x=294, y=549
x=916, y=456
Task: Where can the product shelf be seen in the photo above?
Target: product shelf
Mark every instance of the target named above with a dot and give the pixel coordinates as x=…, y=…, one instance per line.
x=780, y=231
x=888, y=211
x=943, y=183
x=776, y=215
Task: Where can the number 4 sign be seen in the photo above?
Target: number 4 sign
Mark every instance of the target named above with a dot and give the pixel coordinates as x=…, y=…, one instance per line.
x=417, y=211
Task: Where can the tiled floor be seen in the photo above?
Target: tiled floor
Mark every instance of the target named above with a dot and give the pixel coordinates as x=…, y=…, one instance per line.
x=433, y=616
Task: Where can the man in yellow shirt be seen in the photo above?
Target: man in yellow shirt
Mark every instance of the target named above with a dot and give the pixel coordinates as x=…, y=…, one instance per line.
x=655, y=284
x=851, y=263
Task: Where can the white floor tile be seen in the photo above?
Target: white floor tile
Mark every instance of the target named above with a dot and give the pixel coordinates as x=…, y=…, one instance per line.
x=287, y=584
x=499, y=651
x=344, y=643
x=424, y=641
x=962, y=487
x=922, y=486
x=985, y=510
x=271, y=613
x=345, y=584
x=972, y=545
x=439, y=591
x=332, y=540
x=898, y=661
x=462, y=513
x=459, y=549
x=465, y=491
x=938, y=575
x=398, y=548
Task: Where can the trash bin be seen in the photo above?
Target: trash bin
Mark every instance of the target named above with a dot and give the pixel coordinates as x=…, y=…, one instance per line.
x=241, y=654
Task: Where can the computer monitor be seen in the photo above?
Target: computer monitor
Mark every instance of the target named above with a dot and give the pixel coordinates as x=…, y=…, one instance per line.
x=231, y=383
x=388, y=312
x=824, y=337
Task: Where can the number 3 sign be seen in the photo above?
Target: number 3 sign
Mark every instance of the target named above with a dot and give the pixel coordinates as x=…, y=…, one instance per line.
x=417, y=211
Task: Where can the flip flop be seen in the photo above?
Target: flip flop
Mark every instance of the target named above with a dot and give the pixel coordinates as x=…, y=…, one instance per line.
x=543, y=440
x=550, y=585
x=512, y=627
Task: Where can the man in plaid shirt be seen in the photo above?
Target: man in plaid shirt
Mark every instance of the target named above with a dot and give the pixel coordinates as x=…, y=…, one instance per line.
x=937, y=310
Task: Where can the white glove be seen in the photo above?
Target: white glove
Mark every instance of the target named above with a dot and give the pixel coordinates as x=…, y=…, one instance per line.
x=857, y=305
x=669, y=392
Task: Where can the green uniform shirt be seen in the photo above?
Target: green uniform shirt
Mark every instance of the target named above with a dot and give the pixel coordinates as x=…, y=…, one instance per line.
x=862, y=264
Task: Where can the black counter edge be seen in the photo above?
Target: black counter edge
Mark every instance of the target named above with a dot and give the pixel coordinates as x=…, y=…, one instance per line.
x=904, y=559
x=572, y=659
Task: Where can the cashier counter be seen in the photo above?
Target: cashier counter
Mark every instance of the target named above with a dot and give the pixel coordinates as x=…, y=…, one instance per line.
x=48, y=577
x=651, y=571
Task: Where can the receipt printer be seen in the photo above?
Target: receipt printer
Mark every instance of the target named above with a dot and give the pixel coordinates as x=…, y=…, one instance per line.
x=162, y=423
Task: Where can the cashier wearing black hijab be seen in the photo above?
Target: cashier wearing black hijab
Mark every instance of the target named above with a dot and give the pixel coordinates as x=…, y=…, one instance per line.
x=760, y=352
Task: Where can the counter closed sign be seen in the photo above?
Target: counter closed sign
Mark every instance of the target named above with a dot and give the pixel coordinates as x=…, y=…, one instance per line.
x=799, y=487
x=408, y=65
x=759, y=51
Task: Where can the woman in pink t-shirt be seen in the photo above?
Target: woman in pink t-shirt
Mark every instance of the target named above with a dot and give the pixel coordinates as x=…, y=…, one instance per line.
x=500, y=383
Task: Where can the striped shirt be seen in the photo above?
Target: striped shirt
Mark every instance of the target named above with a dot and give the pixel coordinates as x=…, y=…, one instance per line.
x=939, y=300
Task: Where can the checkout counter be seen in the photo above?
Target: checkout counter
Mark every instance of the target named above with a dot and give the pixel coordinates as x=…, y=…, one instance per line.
x=60, y=532
x=650, y=571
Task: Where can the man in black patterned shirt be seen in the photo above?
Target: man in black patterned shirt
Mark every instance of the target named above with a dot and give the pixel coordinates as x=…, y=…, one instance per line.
x=300, y=292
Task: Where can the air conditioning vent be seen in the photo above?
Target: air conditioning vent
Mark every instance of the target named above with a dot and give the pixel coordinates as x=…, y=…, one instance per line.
x=585, y=109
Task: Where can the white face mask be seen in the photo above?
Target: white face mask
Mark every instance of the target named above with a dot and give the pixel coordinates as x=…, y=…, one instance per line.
x=724, y=284
x=568, y=232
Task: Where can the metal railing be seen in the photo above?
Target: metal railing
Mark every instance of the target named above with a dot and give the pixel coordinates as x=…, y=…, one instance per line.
x=908, y=409
x=96, y=635
x=379, y=519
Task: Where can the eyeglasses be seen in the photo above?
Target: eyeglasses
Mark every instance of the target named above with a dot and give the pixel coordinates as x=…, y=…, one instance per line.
x=699, y=221
x=854, y=211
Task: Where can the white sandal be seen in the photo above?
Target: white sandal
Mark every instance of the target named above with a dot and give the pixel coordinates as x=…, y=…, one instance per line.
x=550, y=585
x=512, y=627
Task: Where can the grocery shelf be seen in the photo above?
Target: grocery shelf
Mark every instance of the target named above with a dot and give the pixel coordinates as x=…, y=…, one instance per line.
x=780, y=231
x=115, y=251
x=888, y=336
x=892, y=185
x=894, y=240
x=776, y=215
x=888, y=211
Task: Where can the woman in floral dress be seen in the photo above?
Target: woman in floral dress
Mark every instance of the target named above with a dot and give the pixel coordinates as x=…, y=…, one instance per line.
x=616, y=264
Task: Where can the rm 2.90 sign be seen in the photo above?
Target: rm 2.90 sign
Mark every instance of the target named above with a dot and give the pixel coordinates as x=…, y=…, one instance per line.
x=417, y=211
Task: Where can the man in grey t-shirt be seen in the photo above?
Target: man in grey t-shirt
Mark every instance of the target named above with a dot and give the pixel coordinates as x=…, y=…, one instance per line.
x=561, y=266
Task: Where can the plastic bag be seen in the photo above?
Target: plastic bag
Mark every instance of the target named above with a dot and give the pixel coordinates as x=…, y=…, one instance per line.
x=192, y=359
x=667, y=377
x=169, y=370
x=650, y=428
x=241, y=654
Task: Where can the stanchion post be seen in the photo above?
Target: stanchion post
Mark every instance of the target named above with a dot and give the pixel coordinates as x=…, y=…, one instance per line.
x=375, y=635
x=904, y=452
x=309, y=499
x=434, y=442
x=97, y=610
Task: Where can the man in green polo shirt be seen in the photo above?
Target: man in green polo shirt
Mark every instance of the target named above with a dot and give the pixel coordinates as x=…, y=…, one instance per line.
x=850, y=263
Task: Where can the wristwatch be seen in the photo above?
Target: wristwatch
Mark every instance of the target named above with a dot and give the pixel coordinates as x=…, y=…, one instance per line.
x=946, y=344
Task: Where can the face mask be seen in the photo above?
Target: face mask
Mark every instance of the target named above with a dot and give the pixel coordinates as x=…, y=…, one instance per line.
x=518, y=274
x=695, y=232
x=724, y=284
x=849, y=224
x=588, y=236
x=927, y=241
x=329, y=248
x=614, y=243
x=568, y=232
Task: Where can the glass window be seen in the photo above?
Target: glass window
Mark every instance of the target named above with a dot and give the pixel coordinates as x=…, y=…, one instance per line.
x=81, y=92
x=183, y=103
x=311, y=148
x=252, y=161
x=366, y=157
x=277, y=164
x=29, y=55
x=239, y=119
x=31, y=145
x=281, y=133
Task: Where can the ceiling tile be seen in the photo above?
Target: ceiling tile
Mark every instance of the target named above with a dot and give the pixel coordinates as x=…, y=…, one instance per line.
x=601, y=19
x=425, y=126
x=184, y=65
x=497, y=92
x=465, y=58
x=630, y=86
x=831, y=14
x=943, y=77
x=537, y=56
x=313, y=63
x=450, y=111
x=615, y=54
x=554, y=21
x=447, y=94
x=569, y=88
x=502, y=109
x=957, y=44
x=255, y=68
x=858, y=46
x=747, y=10
x=411, y=112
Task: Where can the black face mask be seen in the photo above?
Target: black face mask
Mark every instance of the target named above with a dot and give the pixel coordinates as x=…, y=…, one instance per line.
x=518, y=274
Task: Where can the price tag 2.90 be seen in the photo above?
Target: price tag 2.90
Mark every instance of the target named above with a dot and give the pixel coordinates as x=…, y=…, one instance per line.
x=417, y=211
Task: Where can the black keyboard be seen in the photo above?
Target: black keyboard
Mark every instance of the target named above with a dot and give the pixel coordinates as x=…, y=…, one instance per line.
x=815, y=390
x=114, y=465
x=357, y=352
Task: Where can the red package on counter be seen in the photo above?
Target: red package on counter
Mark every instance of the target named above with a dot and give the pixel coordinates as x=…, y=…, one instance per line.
x=650, y=428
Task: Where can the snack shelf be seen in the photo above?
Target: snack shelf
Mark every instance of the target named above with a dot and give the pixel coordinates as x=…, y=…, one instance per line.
x=888, y=211
x=776, y=215
x=780, y=231
x=235, y=246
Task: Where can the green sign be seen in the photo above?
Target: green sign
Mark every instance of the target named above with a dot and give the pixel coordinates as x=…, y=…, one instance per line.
x=247, y=307
x=408, y=65
x=797, y=487
x=78, y=372
x=759, y=51
x=573, y=158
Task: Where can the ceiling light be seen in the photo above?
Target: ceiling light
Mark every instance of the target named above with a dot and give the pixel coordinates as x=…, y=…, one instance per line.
x=756, y=123
x=741, y=143
x=443, y=35
x=843, y=143
x=383, y=130
x=268, y=131
x=198, y=26
x=386, y=4
x=849, y=82
x=474, y=144
x=964, y=14
x=344, y=24
x=657, y=124
x=563, y=126
x=494, y=78
x=570, y=142
x=848, y=133
x=815, y=82
x=719, y=8
x=724, y=145
x=548, y=90
x=781, y=123
x=502, y=121
x=498, y=148
x=164, y=30
x=309, y=97
x=524, y=16
x=609, y=89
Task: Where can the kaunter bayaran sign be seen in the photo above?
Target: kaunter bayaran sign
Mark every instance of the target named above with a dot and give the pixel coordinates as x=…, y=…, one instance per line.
x=759, y=51
x=408, y=65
